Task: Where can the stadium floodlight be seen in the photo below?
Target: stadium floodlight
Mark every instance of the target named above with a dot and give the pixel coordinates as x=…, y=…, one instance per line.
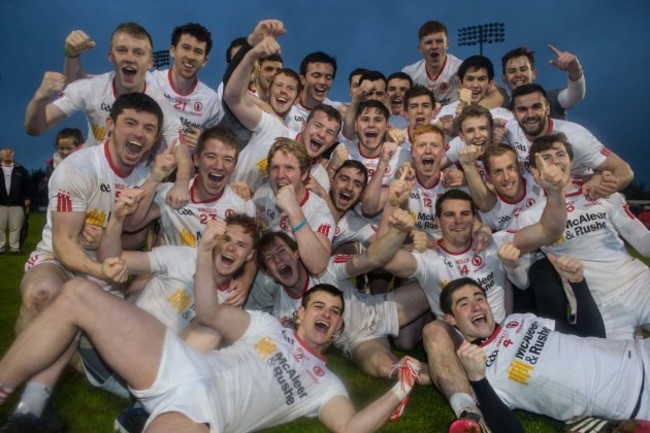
x=160, y=58
x=490, y=33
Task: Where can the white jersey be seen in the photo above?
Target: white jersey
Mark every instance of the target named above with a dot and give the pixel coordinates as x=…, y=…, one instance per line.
x=450, y=110
x=618, y=281
x=265, y=378
x=184, y=226
x=95, y=96
x=371, y=162
x=365, y=316
x=252, y=160
x=86, y=181
x=436, y=268
x=453, y=150
x=503, y=215
x=169, y=293
x=313, y=207
x=353, y=227
x=444, y=85
x=588, y=152
x=422, y=201
x=319, y=173
x=533, y=367
x=199, y=108
x=298, y=113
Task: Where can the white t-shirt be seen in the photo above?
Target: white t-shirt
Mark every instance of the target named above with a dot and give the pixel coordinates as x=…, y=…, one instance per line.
x=444, y=85
x=298, y=114
x=352, y=227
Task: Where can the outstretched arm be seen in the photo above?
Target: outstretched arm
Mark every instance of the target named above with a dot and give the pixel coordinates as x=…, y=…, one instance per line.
x=76, y=43
x=41, y=114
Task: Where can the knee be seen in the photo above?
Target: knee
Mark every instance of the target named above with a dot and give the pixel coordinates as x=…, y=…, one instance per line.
x=435, y=335
x=36, y=294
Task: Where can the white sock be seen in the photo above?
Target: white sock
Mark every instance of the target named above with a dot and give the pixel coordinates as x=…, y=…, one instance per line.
x=34, y=398
x=461, y=402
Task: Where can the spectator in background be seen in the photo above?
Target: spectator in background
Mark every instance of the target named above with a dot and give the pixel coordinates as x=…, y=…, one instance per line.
x=15, y=195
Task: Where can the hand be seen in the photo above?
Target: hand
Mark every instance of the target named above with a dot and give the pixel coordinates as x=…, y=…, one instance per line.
x=401, y=220
x=238, y=294
x=265, y=28
x=90, y=236
x=548, y=176
x=212, y=234
x=569, y=268
x=482, y=238
x=401, y=187
x=387, y=151
x=567, y=62
x=509, y=255
x=242, y=189
x=420, y=240
x=339, y=156
x=76, y=43
x=473, y=359
x=164, y=166
x=191, y=137
x=313, y=185
x=600, y=185
x=499, y=130
x=395, y=135
x=285, y=199
x=446, y=123
x=178, y=196
x=267, y=46
x=465, y=98
x=468, y=155
x=453, y=178
x=53, y=82
x=127, y=202
x=114, y=269
x=361, y=93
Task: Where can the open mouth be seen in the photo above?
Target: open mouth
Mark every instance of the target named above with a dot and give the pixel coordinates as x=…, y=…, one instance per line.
x=428, y=163
x=285, y=272
x=371, y=135
x=134, y=146
x=189, y=65
x=322, y=326
x=479, y=320
x=129, y=71
x=281, y=100
x=315, y=144
x=215, y=177
x=397, y=101
x=227, y=259
x=320, y=91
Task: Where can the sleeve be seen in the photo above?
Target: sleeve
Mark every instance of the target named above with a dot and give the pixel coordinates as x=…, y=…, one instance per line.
x=574, y=92
x=628, y=226
x=73, y=98
x=172, y=126
x=586, y=147
x=497, y=415
x=70, y=190
x=589, y=321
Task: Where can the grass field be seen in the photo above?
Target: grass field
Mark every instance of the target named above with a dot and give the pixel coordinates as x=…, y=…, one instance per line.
x=89, y=410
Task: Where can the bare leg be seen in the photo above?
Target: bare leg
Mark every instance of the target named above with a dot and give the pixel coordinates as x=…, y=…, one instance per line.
x=201, y=338
x=174, y=422
x=375, y=358
x=129, y=339
x=412, y=313
x=38, y=288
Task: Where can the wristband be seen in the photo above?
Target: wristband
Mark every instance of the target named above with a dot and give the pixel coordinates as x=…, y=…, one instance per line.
x=68, y=56
x=300, y=225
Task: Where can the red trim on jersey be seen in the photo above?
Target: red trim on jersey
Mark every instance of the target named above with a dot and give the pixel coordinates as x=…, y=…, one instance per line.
x=304, y=289
x=605, y=151
x=341, y=258
x=523, y=194
x=408, y=134
x=224, y=287
x=309, y=349
x=367, y=157
x=324, y=229
x=305, y=198
x=299, y=102
x=439, y=72
x=178, y=92
x=420, y=182
x=497, y=330
x=575, y=193
x=209, y=200
x=63, y=202
x=626, y=208
x=440, y=244
x=112, y=165
x=144, y=89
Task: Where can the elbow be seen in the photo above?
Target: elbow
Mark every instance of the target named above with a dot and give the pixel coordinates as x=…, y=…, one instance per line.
x=32, y=130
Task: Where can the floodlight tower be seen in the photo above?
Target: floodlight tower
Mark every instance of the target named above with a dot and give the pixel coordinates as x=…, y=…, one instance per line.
x=160, y=58
x=490, y=33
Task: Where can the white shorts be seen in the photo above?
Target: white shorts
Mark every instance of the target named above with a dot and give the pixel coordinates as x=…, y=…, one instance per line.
x=625, y=310
x=182, y=385
x=377, y=318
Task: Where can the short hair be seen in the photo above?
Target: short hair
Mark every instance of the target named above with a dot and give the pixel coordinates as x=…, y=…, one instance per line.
x=431, y=27
x=454, y=194
x=496, y=150
x=356, y=71
x=327, y=288
x=371, y=103
x=546, y=142
x=446, y=303
x=223, y=134
x=528, y=89
x=271, y=58
x=237, y=42
x=472, y=111
x=372, y=76
x=518, y=52
x=74, y=133
x=331, y=113
x=193, y=29
x=357, y=165
x=474, y=63
x=317, y=57
x=134, y=30
x=247, y=223
x=138, y=102
x=418, y=90
x=289, y=73
x=425, y=129
x=400, y=76
x=267, y=241
x=286, y=146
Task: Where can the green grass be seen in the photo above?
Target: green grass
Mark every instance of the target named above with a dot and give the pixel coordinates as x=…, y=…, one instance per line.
x=91, y=410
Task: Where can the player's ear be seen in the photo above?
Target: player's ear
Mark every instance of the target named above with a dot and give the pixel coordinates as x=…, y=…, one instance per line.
x=450, y=319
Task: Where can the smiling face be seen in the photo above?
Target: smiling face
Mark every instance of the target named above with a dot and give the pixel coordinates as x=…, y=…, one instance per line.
x=532, y=112
x=476, y=131
x=347, y=187
x=456, y=221
x=233, y=251
x=471, y=313
x=505, y=177
x=132, y=135
x=395, y=91
x=370, y=127
x=265, y=72
x=282, y=263
x=316, y=83
x=189, y=56
x=131, y=57
x=478, y=82
x=282, y=93
x=434, y=49
x=215, y=165
x=319, y=134
x=518, y=72
x=427, y=151
x=284, y=169
x=320, y=319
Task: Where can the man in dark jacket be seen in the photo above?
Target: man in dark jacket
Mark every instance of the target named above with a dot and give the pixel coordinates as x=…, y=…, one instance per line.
x=15, y=196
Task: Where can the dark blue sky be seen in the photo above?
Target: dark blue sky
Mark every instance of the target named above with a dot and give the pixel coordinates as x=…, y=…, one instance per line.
x=610, y=39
